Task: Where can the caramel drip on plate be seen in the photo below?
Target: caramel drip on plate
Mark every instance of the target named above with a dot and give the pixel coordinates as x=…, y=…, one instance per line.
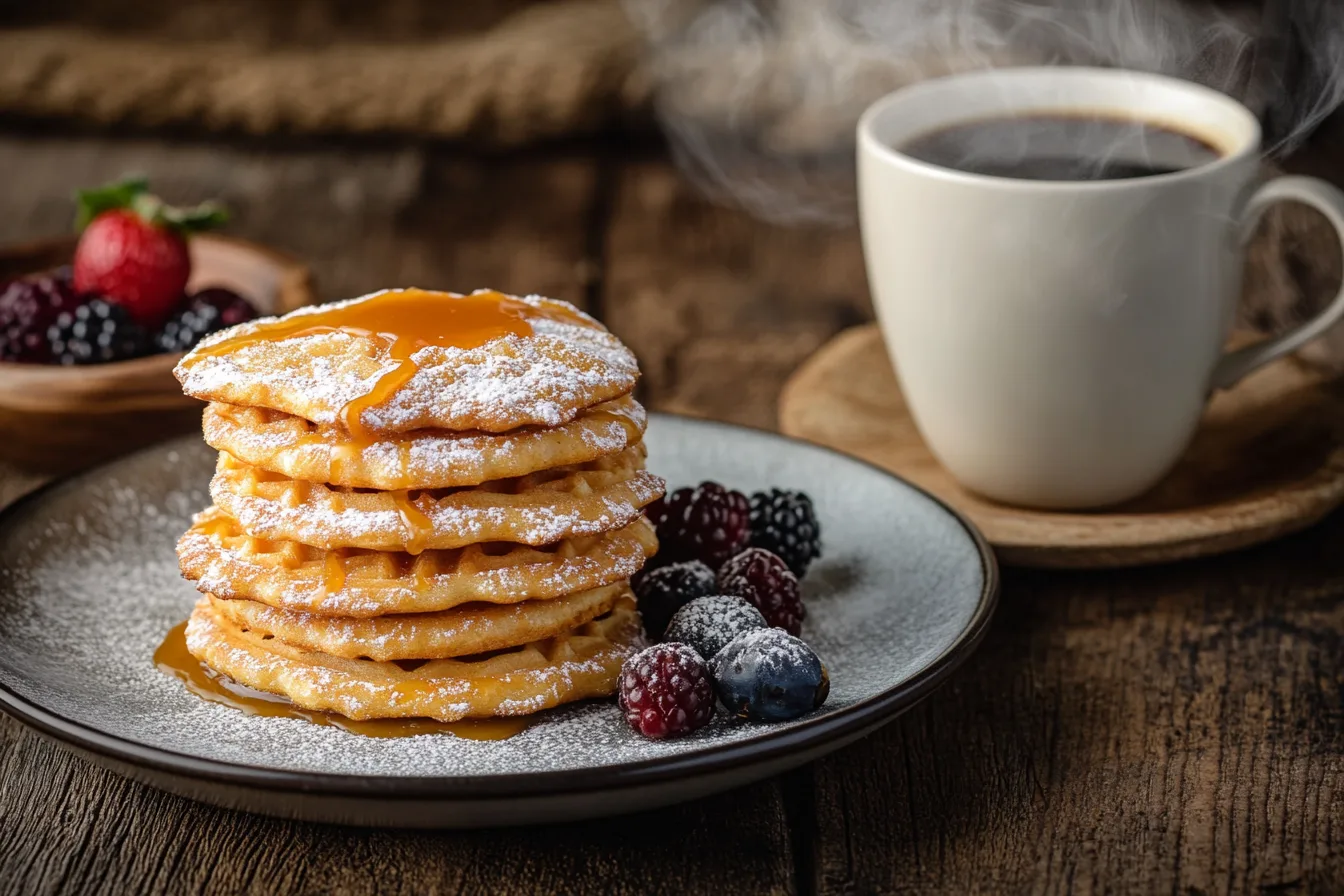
x=404, y=321
x=172, y=658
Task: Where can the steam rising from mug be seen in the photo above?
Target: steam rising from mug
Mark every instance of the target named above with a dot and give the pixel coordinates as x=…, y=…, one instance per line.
x=760, y=97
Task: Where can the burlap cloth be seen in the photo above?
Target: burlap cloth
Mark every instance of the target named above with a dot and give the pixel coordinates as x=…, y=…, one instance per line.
x=506, y=72
x=498, y=72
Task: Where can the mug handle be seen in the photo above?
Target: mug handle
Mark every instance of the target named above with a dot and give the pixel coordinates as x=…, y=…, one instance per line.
x=1329, y=201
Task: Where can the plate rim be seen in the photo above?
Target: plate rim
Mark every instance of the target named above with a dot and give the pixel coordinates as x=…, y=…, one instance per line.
x=869, y=713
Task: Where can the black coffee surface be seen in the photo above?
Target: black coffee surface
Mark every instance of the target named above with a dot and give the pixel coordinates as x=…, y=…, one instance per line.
x=1061, y=148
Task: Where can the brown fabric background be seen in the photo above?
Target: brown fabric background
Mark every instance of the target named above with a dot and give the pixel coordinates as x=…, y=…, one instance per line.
x=499, y=72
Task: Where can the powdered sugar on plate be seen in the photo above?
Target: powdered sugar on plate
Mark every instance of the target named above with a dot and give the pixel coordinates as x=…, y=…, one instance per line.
x=89, y=587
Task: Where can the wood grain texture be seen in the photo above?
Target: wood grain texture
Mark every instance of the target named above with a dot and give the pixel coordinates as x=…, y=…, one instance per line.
x=69, y=827
x=719, y=307
x=1268, y=460
x=364, y=219
x=1167, y=730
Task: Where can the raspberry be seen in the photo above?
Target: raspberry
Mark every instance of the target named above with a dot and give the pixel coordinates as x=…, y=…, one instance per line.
x=785, y=523
x=769, y=676
x=665, y=590
x=27, y=308
x=206, y=312
x=766, y=582
x=95, y=332
x=665, y=691
x=709, y=623
x=708, y=523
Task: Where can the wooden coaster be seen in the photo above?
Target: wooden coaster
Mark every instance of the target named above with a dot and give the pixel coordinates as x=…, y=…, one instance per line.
x=1268, y=460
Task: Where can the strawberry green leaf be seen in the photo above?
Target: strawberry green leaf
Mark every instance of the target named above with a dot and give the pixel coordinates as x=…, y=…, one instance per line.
x=119, y=194
x=153, y=210
x=133, y=193
x=206, y=216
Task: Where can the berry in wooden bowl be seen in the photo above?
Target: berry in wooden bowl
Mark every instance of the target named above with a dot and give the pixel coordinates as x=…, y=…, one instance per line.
x=91, y=327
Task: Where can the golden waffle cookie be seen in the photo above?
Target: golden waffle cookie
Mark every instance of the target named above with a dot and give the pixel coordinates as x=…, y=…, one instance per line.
x=582, y=663
x=536, y=509
x=300, y=449
x=223, y=560
x=464, y=631
x=322, y=360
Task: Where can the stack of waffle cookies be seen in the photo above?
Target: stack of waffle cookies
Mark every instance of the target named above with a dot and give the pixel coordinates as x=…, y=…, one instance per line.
x=425, y=505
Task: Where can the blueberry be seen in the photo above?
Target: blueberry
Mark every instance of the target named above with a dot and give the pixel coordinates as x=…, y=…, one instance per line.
x=709, y=623
x=768, y=675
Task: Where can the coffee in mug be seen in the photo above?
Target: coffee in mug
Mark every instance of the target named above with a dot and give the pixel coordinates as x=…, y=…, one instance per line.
x=1055, y=256
x=1063, y=146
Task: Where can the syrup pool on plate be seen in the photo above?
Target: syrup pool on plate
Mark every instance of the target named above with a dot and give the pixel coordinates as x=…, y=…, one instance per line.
x=174, y=659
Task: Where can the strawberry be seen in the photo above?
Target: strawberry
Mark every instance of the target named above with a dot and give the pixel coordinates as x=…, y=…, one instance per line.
x=132, y=248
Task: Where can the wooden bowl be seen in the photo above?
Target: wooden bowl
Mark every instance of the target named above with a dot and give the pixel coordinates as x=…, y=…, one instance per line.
x=57, y=419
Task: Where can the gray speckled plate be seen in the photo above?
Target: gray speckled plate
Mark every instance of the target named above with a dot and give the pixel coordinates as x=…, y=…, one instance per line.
x=89, y=586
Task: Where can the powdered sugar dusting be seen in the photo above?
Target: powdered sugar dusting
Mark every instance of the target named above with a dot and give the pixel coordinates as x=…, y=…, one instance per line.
x=544, y=379
x=292, y=577
x=425, y=458
x=775, y=651
x=324, y=520
x=709, y=623
x=539, y=676
x=899, y=584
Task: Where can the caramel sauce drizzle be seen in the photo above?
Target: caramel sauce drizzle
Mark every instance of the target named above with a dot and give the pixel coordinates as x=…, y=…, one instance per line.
x=333, y=573
x=403, y=321
x=172, y=658
x=416, y=520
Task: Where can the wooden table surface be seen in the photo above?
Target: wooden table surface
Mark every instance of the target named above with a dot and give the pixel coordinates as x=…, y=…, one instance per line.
x=1165, y=730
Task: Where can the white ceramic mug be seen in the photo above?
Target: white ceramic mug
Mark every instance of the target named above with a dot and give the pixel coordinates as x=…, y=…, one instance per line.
x=1057, y=341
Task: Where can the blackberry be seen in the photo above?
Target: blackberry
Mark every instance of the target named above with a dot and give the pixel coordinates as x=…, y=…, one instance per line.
x=27, y=308
x=664, y=591
x=708, y=523
x=665, y=691
x=769, y=676
x=709, y=623
x=205, y=312
x=785, y=523
x=767, y=583
x=233, y=309
x=96, y=332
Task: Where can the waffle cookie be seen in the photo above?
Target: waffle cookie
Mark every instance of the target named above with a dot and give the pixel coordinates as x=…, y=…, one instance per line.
x=425, y=505
x=536, y=509
x=223, y=560
x=463, y=631
x=508, y=362
x=573, y=665
x=300, y=449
